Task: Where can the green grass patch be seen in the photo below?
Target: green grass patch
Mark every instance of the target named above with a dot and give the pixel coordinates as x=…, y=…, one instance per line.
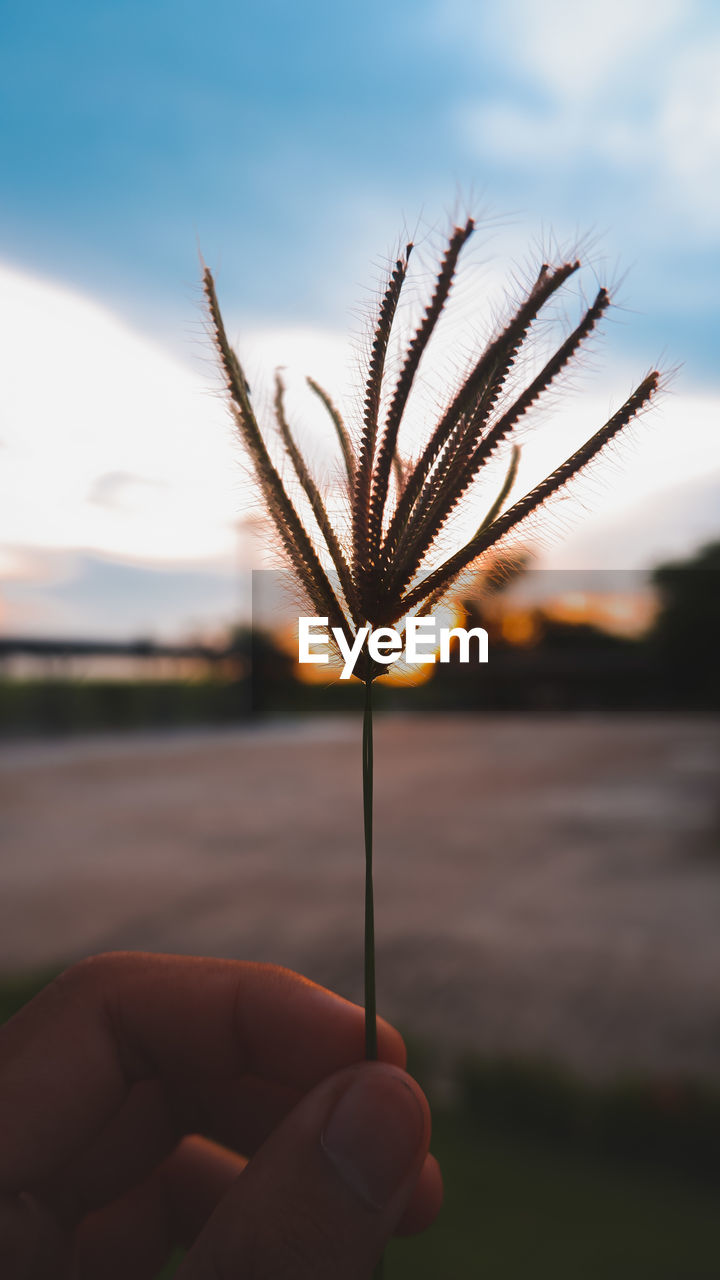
x=518, y=1207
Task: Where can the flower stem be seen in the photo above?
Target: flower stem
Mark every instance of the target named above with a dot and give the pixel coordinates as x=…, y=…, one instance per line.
x=370, y=1001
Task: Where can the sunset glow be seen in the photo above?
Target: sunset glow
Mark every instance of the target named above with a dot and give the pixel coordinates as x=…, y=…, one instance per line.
x=587, y=130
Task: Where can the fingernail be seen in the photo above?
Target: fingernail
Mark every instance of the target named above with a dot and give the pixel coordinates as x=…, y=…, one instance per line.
x=373, y=1134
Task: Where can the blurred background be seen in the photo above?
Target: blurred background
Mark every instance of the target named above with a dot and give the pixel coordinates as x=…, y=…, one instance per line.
x=548, y=826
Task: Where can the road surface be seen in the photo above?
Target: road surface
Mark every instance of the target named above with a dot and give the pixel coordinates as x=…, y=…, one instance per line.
x=544, y=885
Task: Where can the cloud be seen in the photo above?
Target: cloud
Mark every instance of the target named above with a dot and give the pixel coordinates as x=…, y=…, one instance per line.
x=622, y=94
x=688, y=122
x=92, y=596
x=581, y=51
x=124, y=505
x=110, y=442
x=666, y=525
x=120, y=490
x=574, y=53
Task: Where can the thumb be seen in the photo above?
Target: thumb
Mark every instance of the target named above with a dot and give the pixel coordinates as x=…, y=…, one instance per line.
x=325, y=1192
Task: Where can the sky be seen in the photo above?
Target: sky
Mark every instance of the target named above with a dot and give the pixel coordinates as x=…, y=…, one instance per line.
x=292, y=147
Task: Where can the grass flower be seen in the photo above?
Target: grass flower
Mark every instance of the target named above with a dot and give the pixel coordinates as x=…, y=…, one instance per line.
x=383, y=568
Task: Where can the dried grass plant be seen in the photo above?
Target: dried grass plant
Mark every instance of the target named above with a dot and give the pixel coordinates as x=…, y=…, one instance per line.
x=398, y=509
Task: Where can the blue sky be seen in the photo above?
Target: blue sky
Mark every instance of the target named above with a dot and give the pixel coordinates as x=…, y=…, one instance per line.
x=291, y=142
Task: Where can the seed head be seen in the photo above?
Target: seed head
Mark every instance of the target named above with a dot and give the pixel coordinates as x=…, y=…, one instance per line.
x=382, y=574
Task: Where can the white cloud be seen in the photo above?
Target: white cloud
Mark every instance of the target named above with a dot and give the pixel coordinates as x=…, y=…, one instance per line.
x=577, y=51
x=551, y=138
x=81, y=396
x=572, y=51
x=113, y=447
x=109, y=443
x=630, y=87
x=688, y=122
x=675, y=444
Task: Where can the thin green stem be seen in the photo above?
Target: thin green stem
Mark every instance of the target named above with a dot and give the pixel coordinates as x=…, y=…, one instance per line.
x=370, y=1003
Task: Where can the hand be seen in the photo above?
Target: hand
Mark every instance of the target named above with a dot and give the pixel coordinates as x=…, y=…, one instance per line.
x=109, y=1075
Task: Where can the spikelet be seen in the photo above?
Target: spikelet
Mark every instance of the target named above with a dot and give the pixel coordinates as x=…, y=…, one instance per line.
x=383, y=575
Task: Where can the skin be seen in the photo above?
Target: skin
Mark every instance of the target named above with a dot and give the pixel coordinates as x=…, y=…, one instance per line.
x=110, y=1075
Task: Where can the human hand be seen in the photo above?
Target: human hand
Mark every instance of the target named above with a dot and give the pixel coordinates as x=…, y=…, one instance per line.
x=108, y=1077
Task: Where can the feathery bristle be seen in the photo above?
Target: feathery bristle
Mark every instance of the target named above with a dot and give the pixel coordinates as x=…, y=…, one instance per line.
x=376, y=581
x=446, y=490
x=403, y=386
x=341, y=430
x=291, y=530
x=316, y=502
x=476, y=397
x=492, y=514
x=488, y=536
x=373, y=390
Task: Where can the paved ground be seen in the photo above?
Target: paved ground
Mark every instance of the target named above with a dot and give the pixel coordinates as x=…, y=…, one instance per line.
x=544, y=885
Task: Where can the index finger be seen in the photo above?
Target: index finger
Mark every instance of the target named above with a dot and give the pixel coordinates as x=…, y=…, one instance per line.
x=70, y=1059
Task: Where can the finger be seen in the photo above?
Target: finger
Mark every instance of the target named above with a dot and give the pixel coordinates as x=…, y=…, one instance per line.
x=425, y=1202
x=70, y=1059
x=195, y=1179
x=142, y=1133
x=325, y=1192
x=136, y=1234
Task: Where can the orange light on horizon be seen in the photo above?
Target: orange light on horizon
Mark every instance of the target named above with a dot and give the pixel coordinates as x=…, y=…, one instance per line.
x=521, y=627
x=628, y=614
